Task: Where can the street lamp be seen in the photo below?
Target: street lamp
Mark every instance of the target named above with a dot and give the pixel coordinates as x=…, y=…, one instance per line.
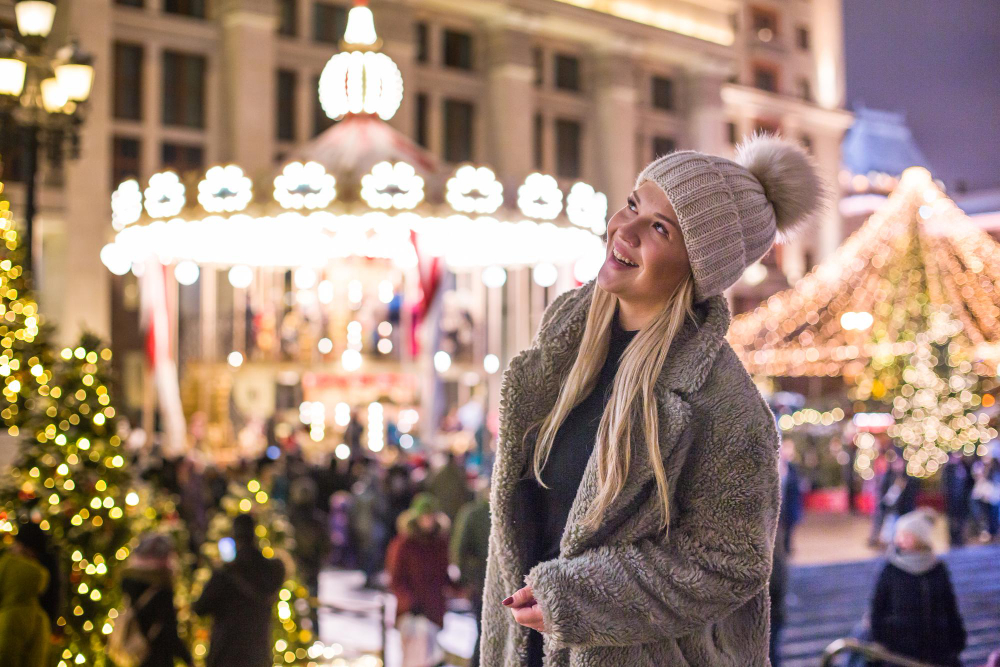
x=42, y=99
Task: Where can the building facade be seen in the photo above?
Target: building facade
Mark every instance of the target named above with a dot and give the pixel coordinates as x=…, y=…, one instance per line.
x=591, y=89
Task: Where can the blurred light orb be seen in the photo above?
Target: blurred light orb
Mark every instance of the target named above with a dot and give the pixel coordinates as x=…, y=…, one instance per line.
x=494, y=276
x=491, y=363
x=442, y=361
x=186, y=272
x=240, y=276
x=235, y=359
x=545, y=274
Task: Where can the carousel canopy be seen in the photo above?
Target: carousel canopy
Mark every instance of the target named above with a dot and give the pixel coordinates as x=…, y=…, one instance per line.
x=880, y=142
x=918, y=255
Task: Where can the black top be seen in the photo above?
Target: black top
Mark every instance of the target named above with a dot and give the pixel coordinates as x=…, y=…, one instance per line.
x=571, y=449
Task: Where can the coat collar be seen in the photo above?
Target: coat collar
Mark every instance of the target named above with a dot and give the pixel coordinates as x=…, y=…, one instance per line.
x=692, y=352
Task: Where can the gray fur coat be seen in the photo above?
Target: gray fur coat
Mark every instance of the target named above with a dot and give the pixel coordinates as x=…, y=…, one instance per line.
x=626, y=595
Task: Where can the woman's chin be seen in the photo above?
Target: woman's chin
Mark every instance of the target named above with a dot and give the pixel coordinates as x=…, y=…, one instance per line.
x=610, y=280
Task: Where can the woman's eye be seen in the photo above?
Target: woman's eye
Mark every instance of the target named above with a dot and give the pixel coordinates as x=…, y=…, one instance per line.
x=631, y=205
x=661, y=228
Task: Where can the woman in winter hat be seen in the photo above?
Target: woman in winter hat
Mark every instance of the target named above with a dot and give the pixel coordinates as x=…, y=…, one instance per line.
x=635, y=494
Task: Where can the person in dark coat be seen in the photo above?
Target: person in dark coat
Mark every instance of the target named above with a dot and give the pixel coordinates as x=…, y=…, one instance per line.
x=417, y=560
x=240, y=598
x=791, y=494
x=957, y=497
x=147, y=582
x=24, y=625
x=312, y=537
x=913, y=611
x=35, y=542
x=777, y=586
x=470, y=545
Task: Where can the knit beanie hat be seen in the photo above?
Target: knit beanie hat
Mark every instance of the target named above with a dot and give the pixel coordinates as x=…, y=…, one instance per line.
x=730, y=212
x=424, y=503
x=919, y=524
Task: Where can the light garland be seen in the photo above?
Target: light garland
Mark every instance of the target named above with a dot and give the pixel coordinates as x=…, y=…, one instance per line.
x=540, y=197
x=474, y=190
x=901, y=253
x=586, y=207
x=126, y=204
x=812, y=417
x=392, y=185
x=225, y=189
x=306, y=185
x=164, y=195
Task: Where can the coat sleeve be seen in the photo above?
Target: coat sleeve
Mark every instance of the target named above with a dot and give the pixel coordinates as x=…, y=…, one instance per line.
x=958, y=637
x=715, y=557
x=881, y=608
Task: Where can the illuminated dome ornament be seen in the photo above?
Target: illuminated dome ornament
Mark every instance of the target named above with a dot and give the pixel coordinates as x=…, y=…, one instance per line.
x=225, y=189
x=306, y=185
x=474, y=190
x=165, y=195
x=587, y=207
x=540, y=197
x=359, y=79
x=392, y=186
x=126, y=204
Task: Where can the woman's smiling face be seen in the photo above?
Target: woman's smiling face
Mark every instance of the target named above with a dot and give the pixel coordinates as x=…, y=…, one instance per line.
x=646, y=235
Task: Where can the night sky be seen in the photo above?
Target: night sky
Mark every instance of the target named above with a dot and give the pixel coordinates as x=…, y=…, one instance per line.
x=939, y=62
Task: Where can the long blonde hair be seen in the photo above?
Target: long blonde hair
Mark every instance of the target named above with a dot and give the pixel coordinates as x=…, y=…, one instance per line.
x=636, y=377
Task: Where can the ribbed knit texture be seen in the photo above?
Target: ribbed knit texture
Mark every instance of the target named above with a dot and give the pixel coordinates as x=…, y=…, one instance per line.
x=725, y=218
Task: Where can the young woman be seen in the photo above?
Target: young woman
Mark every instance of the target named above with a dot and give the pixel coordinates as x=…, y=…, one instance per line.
x=635, y=493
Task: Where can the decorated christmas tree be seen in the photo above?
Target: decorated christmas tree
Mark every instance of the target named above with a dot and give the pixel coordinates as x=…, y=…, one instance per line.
x=69, y=474
x=907, y=311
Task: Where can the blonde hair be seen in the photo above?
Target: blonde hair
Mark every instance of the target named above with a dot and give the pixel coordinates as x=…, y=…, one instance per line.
x=636, y=377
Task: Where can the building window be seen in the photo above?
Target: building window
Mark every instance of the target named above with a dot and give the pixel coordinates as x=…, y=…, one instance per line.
x=128, y=81
x=764, y=23
x=129, y=3
x=663, y=93
x=329, y=22
x=423, y=43
x=802, y=38
x=288, y=15
x=765, y=77
x=663, y=146
x=183, y=89
x=458, y=121
x=195, y=8
x=422, y=109
x=125, y=158
x=287, y=81
x=763, y=125
x=457, y=49
x=805, y=90
x=568, y=136
x=731, y=133
x=567, y=72
x=538, y=141
x=321, y=122
x=185, y=159
x=539, y=58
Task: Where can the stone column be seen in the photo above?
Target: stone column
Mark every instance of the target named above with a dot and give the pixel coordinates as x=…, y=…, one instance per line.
x=615, y=126
x=828, y=44
x=706, y=114
x=85, y=283
x=248, y=77
x=509, y=110
x=394, y=24
x=826, y=149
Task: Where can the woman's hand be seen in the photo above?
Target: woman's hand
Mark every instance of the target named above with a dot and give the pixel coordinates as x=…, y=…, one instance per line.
x=525, y=609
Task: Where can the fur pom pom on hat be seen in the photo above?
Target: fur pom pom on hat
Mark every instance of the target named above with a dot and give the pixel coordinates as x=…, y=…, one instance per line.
x=731, y=211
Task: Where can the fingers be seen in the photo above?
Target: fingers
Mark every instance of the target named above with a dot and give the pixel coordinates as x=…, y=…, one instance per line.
x=522, y=597
x=530, y=616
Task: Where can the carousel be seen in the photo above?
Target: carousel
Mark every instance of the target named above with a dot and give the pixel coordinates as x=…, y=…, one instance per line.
x=362, y=287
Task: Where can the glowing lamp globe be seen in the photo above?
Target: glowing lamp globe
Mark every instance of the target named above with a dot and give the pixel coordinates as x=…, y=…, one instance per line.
x=360, y=82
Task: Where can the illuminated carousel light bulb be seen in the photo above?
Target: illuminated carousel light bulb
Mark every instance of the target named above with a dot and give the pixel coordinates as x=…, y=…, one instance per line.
x=545, y=274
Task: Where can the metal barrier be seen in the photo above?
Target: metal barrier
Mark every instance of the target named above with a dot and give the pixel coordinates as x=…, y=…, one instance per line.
x=868, y=650
x=362, y=609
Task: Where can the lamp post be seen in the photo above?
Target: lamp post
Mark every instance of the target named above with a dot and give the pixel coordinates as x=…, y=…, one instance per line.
x=42, y=100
